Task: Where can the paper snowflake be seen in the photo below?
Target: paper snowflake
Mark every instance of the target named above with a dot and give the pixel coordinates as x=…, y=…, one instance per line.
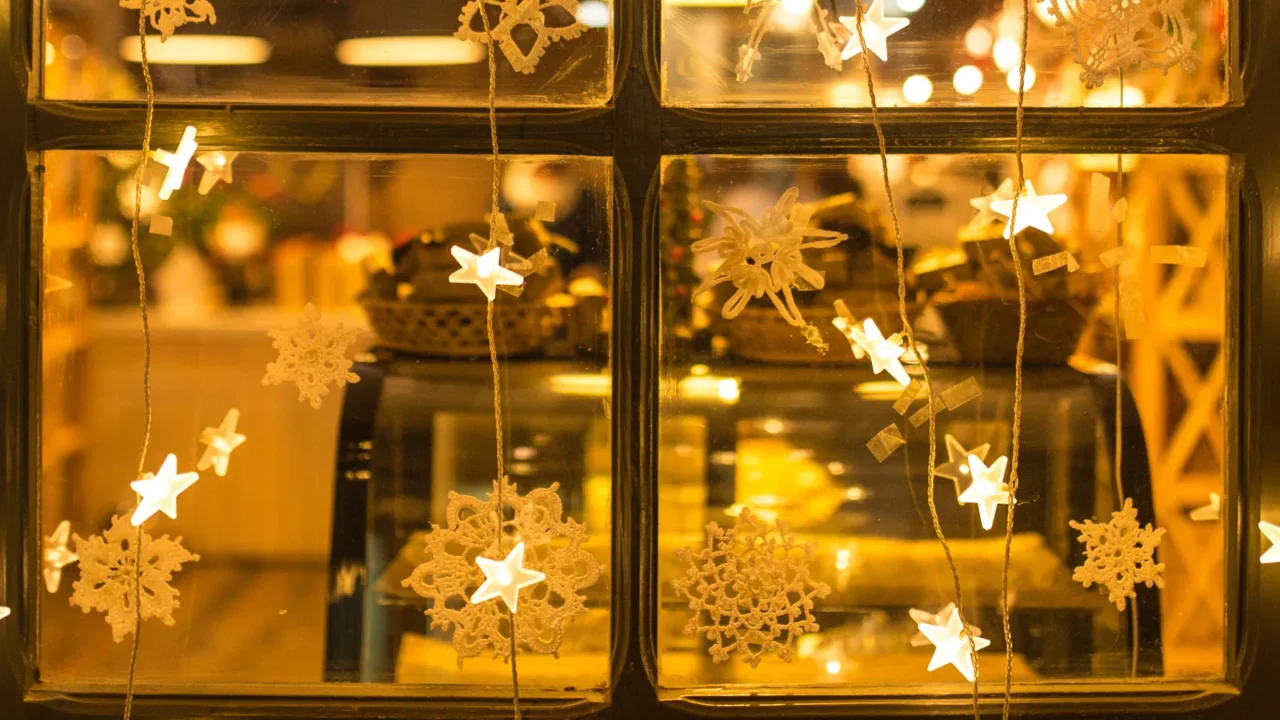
x=514, y=14
x=1108, y=36
x=312, y=355
x=169, y=15
x=831, y=36
x=1119, y=554
x=109, y=576
x=553, y=546
x=750, y=590
x=765, y=257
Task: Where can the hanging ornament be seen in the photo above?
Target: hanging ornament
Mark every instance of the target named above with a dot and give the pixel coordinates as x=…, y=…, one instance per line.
x=220, y=441
x=485, y=271
x=56, y=556
x=169, y=15
x=1210, y=512
x=750, y=590
x=956, y=468
x=159, y=492
x=831, y=35
x=506, y=578
x=515, y=14
x=953, y=644
x=177, y=162
x=876, y=29
x=1113, y=36
x=885, y=354
x=1119, y=554
x=982, y=204
x=1272, y=555
x=939, y=619
x=217, y=166
x=988, y=488
x=312, y=355
x=1033, y=210
x=109, y=576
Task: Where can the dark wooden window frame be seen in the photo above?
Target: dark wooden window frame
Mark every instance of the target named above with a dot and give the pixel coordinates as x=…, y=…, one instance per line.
x=636, y=131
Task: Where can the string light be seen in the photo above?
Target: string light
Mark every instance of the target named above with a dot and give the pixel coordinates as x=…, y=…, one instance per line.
x=1012, y=79
x=917, y=89
x=978, y=41
x=176, y=162
x=1006, y=53
x=484, y=271
x=160, y=491
x=967, y=80
x=505, y=578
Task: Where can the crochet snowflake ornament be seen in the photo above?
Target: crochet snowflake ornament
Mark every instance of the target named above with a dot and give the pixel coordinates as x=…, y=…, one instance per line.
x=831, y=35
x=765, y=257
x=109, y=576
x=750, y=590
x=312, y=355
x=1109, y=36
x=515, y=14
x=169, y=15
x=1119, y=554
x=553, y=544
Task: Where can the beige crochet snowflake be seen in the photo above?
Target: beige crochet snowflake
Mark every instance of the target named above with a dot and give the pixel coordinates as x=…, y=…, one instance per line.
x=312, y=355
x=553, y=546
x=109, y=577
x=764, y=258
x=1108, y=36
x=547, y=21
x=750, y=590
x=169, y=15
x=1119, y=554
x=831, y=36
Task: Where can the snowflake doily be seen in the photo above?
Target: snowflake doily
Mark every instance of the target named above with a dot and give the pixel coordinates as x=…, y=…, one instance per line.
x=553, y=545
x=312, y=355
x=109, y=576
x=765, y=257
x=169, y=15
x=750, y=590
x=1108, y=36
x=831, y=36
x=513, y=14
x=1119, y=554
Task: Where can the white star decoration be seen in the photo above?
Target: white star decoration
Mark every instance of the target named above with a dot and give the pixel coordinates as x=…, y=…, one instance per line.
x=956, y=467
x=176, y=162
x=160, y=491
x=988, y=488
x=983, y=204
x=885, y=354
x=217, y=166
x=221, y=441
x=484, y=271
x=876, y=29
x=505, y=578
x=1272, y=532
x=57, y=556
x=939, y=620
x=4, y=612
x=1033, y=210
x=1210, y=512
x=952, y=647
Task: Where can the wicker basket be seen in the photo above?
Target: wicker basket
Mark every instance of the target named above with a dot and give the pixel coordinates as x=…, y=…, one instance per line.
x=760, y=334
x=458, y=329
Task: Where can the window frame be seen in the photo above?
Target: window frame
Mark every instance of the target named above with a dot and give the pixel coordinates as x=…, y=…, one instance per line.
x=636, y=131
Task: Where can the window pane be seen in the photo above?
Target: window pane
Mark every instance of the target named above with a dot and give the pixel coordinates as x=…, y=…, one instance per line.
x=949, y=55
x=350, y=52
x=756, y=419
x=325, y=511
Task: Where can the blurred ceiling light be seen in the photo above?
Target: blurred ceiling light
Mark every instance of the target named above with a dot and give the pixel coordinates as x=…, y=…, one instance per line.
x=836, y=467
x=967, y=80
x=408, y=51
x=910, y=5
x=797, y=7
x=978, y=41
x=705, y=3
x=1109, y=96
x=699, y=369
x=709, y=387
x=833, y=666
x=1012, y=78
x=1007, y=53
x=594, y=14
x=917, y=89
x=73, y=47
x=198, y=50
x=586, y=384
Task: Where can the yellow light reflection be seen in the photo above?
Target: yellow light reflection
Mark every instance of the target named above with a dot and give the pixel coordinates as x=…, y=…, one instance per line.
x=408, y=51
x=198, y=50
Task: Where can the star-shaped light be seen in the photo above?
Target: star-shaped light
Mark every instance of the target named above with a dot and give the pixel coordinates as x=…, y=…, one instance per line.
x=951, y=645
x=505, y=578
x=1272, y=532
x=1210, y=512
x=160, y=491
x=57, y=556
x=876, y=29
x=983, y=204
x=176, y=162
x=939, y=619
x=484, y=271
x=4, y=612
x=1033, y=210
x=221, y=441
x=956, y=467
x=217, y=166
x=988, y=488
x=884, y=354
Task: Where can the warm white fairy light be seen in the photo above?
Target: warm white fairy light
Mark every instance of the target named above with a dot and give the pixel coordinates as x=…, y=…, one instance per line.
x=1006, y=53
x=177, y=162
x=885, y=354
x=56, y=556
x=1272, y=555
x=159, y=492
x=1012, y=79
x=220, y=441
x=217, y=167
x=484, y=271
x=967, y=80
x=505, y=578
x=1033, y=210
x=977, y=41
x=876, y=29
x=797, y=7
x=910, y=5
x=952, y=645
x=987, y=489
x=917, y=89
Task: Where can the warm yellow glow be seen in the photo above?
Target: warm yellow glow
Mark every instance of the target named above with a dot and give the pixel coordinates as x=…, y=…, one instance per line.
x=836, y=468
x=699, y=369
x=49, y=53
x=706, y=3
x=799, y=8
x=1109, y=96
x=709, y=387
x=1012, y=78
x=159, y=492
x=594, y=14
x=408, y=51
x=967, y=80
x=485, y=271
x=978, y=41
x=917, y=89
x=505, y=578
x=774, y=426
x=881, y=390
x=1007, y=53
x=833, y=667
x=176, y=162
x=198, y=50
x=842, y=559
x=910, y=5
x=581, y=384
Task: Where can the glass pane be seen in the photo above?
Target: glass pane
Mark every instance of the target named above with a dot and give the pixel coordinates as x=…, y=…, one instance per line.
x=350, y=52
x=325, y=511
x=756, y=419
x=949, y=55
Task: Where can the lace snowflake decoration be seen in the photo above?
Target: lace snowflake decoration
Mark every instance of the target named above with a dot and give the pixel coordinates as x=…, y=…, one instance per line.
x=1108, y=36
x=169, y=15
x=515, y=14
x=109, y=576
x=831, y=35
x=765, y=258
x=312, y=355
x=553, y=546
x=1119, y=554
x=750, y=590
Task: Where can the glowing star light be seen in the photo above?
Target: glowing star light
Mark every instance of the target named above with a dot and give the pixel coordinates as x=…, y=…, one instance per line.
x=57, y=556
x=221, y=441
x=943, y=616
x=505, y=578
x=988, y=488
x=956, y=467
x=952, y=645
x=1272, y=532
x=160, y=491
x=884, y=354
x=176, y=162
x=876, y=28
x=1033, y=210
x=4, y=612
x=484, y=271
x=217, y=166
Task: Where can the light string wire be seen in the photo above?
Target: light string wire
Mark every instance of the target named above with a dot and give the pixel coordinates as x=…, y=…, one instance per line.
x=146, y=347
x=859, y=13
x=493, y=347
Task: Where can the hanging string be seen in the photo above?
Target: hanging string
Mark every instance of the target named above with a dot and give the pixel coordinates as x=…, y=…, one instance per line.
x=859, y=13
x=146, y=348
x=1017, y=367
